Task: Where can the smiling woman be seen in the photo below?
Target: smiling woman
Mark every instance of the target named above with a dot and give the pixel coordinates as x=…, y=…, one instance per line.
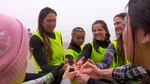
x=96, y=49
x=46, y=43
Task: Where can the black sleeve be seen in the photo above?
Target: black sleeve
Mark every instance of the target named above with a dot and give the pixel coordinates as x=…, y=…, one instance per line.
x=70, y=59
x=37, y=45
x=86, y=52
x=102, y=81
x=33, y=76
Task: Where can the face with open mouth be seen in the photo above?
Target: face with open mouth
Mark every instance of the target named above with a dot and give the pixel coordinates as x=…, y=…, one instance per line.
x=49, y=22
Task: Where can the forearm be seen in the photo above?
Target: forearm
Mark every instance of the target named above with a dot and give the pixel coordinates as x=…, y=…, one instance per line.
x=101, y=81
x=38, y=54
x=108, y=57
x=70, y=59
x=41, y=60
x=32, y=76
x=47, y=79
x=86, y=52
x=106, y=74
x=129, y=72
x=65, y=81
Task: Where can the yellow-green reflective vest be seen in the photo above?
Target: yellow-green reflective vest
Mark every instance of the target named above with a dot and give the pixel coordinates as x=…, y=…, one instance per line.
x=75, y=56
x=113, y=64
x=96, y=56
x=57, y=48
x=73, y=53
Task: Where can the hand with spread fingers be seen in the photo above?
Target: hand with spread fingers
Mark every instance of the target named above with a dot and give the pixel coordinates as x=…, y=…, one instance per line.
x=80, y=62
x=82, y=78
x=66, y=64
x=69, y=73
x=91, y=69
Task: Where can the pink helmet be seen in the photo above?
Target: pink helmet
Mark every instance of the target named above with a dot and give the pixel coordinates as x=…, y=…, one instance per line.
x=14, y=50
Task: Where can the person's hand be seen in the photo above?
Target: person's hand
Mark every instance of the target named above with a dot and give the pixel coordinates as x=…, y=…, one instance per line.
x=69, y=74
x=82, y=78
x=74, y=65
x=80, y=62
x=91, y=61
x=66, y=64
x=91, y=69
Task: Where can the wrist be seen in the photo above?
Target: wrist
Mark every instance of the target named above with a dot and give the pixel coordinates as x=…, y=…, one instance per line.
x=106, y=74
x=100, y=74
x=65, y=77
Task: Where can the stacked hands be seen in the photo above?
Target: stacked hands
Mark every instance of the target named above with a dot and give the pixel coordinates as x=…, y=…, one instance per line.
x=82, y=72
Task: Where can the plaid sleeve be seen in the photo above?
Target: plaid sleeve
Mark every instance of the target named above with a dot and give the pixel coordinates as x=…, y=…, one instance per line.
x=128, y=72
x=107, y=58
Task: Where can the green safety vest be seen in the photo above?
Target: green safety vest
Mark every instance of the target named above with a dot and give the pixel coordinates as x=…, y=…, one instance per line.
x=96, y=56
x=57, y=48
x=75, y=56
x=113, y=64
x=73, y=53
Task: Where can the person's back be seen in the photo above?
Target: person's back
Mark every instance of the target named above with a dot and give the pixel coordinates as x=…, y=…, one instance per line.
x=14, y=53
x=14, y=50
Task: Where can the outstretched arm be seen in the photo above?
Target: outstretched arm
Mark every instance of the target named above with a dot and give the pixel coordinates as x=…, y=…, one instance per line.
x=110, y=53
x=47, y=79
x=86, y=52
x=129, y=72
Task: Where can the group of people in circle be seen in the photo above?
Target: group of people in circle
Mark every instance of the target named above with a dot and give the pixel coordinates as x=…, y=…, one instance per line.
x=124, y=60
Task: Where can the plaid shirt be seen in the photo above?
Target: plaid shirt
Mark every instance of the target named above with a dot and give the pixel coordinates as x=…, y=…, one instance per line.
x=128, y=73
x=110, y=52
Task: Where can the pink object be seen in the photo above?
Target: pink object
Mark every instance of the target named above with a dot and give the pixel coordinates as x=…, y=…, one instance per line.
x=14, y=50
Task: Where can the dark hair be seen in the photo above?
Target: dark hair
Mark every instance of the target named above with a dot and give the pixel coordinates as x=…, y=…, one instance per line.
x=28, y=29
x=139, y=15
x=122, y=15
x=104, y=25
x=76, y=29
x=46, y=43
x=120, y=49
